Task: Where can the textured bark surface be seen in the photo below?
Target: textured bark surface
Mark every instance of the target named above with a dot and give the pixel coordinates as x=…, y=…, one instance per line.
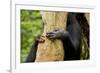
x=51, y=50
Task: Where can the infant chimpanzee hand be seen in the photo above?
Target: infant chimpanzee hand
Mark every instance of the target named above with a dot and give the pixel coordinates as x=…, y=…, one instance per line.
x=40, y=39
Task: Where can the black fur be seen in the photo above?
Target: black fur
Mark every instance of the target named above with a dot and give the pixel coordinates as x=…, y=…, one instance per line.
x=72, y=41
x=32, y=54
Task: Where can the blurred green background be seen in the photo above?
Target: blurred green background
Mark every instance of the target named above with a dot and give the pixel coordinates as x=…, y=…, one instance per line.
x=31, y=27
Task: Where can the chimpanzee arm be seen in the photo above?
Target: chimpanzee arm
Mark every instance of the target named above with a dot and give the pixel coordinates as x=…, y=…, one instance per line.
x=32, y=54
x=70, y=37
x=73, y=33
x=74, y=30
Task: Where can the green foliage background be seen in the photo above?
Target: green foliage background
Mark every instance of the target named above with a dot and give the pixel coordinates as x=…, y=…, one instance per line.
x=31, y=27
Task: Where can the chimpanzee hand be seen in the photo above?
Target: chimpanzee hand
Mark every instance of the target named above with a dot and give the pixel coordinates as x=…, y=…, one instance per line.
x=57, y=34
x=40, y=39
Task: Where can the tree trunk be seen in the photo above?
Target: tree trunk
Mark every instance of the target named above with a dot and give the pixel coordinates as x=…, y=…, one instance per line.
x=51, y=50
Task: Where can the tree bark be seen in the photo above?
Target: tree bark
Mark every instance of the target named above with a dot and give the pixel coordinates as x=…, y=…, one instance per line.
x=51, y=50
